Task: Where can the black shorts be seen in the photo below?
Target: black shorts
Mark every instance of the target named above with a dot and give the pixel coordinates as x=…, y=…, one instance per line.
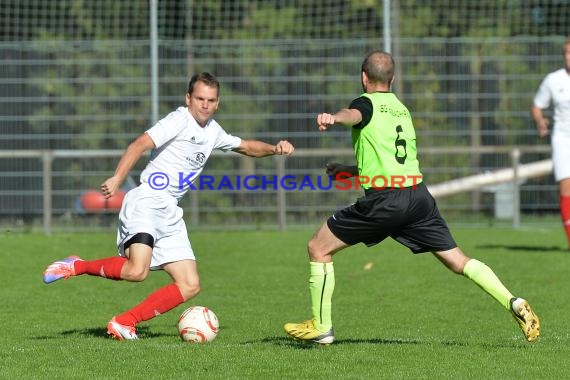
x=409, y=216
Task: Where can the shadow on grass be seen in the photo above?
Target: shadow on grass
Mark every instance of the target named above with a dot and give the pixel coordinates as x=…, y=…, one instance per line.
x=288, y=342
x=508, y=345
x=98, y=332
x=528, y=248
x=285, y=341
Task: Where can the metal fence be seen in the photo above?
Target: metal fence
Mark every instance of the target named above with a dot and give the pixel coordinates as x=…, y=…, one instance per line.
x=283, y=193
x=72, y=98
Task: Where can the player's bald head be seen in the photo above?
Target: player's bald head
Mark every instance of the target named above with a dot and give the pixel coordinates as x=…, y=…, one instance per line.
x=379, y=67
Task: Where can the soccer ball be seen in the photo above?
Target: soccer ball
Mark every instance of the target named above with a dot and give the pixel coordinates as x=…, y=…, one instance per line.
x=198, y=324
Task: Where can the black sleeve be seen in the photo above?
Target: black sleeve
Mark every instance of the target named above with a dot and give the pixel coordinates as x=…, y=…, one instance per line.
x=364, y=106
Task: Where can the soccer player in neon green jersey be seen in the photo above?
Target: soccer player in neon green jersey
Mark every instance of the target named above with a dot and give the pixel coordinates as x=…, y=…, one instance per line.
x=396, y=204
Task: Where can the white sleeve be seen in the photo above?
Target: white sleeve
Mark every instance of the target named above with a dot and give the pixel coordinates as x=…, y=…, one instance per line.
x=225, y=141
x=543, y=96
x=167, y=128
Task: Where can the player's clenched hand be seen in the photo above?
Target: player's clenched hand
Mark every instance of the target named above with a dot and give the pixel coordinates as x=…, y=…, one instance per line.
x=284, y=147
x=110, y=187
x=324, y=120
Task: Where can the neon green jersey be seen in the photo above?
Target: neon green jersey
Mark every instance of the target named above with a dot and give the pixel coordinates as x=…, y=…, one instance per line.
x=385, y=148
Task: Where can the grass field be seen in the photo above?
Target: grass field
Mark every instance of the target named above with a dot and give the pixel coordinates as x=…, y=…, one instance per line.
x=405, y=317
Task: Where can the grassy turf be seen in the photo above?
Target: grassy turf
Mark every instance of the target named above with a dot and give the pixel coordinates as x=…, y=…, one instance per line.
x=404, y=317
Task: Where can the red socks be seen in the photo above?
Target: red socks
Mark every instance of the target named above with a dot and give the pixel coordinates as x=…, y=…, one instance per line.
x=565, y=213
x=157, y=303
x=109, y=267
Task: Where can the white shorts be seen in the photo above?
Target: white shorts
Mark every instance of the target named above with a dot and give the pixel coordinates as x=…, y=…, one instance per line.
x=158, y=214
x=561, y=156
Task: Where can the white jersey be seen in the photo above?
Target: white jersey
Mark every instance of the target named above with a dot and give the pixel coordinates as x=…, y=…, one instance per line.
x=182, y=149
x=555, y=90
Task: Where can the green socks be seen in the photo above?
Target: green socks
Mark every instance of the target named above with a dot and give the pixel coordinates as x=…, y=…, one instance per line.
x=321, y=286
x=484, y=276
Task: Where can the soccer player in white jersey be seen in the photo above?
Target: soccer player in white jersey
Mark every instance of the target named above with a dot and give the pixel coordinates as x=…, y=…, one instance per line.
x=555, y=91
x=152, y=234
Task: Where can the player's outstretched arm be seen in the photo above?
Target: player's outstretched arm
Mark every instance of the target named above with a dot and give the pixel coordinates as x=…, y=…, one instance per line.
x=131, y=156
x=347, y=117
x=256, y=148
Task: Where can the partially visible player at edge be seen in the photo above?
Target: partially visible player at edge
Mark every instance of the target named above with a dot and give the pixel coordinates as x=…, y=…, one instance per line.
x=384, y=140
x=152, y=234
x=555, y=90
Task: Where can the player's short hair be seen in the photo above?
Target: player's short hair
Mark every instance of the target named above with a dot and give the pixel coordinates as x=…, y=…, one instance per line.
x=206, y=78
x=379, y=67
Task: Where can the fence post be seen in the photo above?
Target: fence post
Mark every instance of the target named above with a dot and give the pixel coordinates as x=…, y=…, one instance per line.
x=281, y=195
x=47, y=159
x=516, y=155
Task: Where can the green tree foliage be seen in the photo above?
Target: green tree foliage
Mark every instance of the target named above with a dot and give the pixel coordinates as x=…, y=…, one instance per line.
x=93, y=94
x=282, y=19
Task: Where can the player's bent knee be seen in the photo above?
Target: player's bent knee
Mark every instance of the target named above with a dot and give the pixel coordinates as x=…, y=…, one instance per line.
x=317, y=252
x=189, y=290
x=314, y=249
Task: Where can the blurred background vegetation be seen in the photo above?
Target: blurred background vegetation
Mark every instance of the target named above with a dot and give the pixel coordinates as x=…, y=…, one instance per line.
x=76, y=75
